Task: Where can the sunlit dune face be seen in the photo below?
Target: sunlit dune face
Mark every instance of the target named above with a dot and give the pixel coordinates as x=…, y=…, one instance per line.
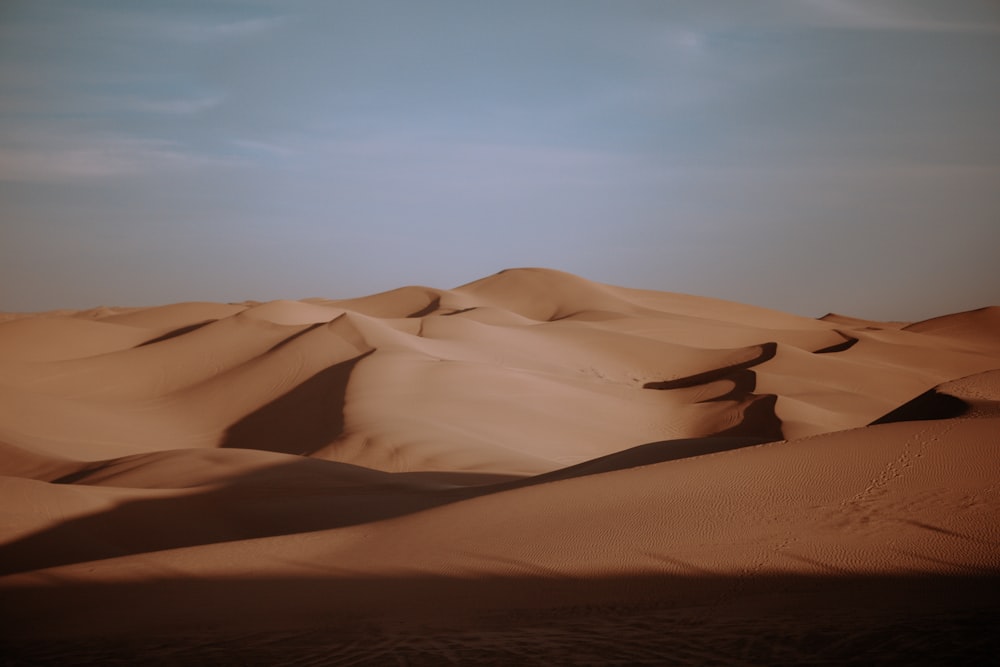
x=496, y=458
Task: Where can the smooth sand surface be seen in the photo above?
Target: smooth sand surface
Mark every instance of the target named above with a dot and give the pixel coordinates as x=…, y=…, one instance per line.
x=529, y=469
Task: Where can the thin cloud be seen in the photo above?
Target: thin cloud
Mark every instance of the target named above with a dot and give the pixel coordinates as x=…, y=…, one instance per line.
x=34, y=101
x=62, y=158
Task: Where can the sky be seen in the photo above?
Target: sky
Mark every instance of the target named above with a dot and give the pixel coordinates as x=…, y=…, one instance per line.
x=804, y=155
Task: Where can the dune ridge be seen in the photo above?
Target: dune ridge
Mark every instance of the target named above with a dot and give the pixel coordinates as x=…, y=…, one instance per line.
x=531, y=443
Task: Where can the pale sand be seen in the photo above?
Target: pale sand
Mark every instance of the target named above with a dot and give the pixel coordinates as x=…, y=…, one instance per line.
x=529, y=469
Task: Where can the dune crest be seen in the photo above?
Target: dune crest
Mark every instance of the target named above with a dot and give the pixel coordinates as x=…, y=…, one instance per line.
x=529, y=443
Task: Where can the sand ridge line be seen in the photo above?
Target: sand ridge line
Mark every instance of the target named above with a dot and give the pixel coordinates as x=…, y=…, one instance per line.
x=424, y=456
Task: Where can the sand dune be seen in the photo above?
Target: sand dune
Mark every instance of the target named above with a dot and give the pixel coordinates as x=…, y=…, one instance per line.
x=29, y=338
x=512, y=470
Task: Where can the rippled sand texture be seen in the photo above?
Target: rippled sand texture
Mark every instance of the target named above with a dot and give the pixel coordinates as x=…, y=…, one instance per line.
x=529, y=469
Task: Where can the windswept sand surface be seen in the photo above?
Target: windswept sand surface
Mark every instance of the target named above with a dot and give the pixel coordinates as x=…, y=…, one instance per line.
x=528, y=469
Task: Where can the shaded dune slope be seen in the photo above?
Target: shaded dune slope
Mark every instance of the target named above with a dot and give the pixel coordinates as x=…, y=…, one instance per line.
x=415, y=378
x=531, y=428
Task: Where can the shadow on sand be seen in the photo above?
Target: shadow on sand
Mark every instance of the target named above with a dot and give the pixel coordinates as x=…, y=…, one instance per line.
x=638, y=620
x=302, y=495
x=929, y=405
x=302, y=421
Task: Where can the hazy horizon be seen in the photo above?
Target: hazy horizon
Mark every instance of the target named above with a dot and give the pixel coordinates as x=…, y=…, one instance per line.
x=803, y=155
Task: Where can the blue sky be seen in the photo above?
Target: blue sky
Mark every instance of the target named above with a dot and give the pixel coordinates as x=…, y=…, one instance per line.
x=806, y=155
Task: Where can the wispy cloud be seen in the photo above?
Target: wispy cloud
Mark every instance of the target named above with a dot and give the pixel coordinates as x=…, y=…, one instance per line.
x=29, y=101
x=66, y=157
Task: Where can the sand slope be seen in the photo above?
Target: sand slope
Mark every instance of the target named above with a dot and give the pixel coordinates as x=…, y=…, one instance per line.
x=532, y=443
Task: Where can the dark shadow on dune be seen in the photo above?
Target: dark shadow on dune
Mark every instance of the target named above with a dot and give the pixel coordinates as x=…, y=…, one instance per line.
x=188, y=328
x=643, y=455
x=744, y=382
x=304, y=420
x=929, y=405
x=281, y=343
x=428, y=309
x=760, y=420
x=767, y=352
x=765, y=619
x=297, y=497
x=460, y=311
x=434, y=307
x=442, y=478
x=849, y=342
x=308, y=495
x=82, y=473
x=301, y=496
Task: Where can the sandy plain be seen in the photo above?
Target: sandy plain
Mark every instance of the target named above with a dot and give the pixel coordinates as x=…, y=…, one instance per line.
x=532, y=468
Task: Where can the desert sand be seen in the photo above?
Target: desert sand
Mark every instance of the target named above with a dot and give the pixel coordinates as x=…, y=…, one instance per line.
x=532, y=468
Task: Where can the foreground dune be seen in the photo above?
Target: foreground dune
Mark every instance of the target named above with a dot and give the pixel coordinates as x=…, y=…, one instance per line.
x=528, y=468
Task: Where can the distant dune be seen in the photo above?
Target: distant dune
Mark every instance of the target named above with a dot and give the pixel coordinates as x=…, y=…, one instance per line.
x=532, y=468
